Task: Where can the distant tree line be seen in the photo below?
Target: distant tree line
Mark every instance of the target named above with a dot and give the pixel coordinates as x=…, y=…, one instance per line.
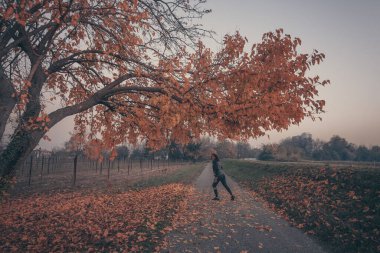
x=304, y=147
x=194, y=151
x=300, y=147
x=202, y=149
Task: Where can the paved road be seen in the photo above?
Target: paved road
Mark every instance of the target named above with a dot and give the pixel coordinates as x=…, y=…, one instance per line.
x=243, y=225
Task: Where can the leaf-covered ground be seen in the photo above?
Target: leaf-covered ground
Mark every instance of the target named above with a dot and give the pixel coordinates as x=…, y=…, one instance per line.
x=340, y=206
x=134, y=221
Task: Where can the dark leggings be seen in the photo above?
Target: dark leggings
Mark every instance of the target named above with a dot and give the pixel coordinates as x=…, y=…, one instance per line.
x=221, y=178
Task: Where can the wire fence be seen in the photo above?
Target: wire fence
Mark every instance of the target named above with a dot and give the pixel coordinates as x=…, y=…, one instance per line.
x=70, y=169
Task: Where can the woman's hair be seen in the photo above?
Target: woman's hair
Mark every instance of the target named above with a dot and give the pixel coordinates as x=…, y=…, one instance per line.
x=216, y=156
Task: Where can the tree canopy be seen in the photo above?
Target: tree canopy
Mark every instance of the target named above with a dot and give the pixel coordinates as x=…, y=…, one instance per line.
x=138, y=70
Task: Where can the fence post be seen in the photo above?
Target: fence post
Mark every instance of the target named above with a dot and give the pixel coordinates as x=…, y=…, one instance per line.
x=108, y=171
x=75, y=169
x=56, y=163
x=42, y=165
x=48, y=165
x=129, y=163
x=30, y=169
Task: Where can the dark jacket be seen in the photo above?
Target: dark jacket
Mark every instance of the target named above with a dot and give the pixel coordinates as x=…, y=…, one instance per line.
x=216, y=168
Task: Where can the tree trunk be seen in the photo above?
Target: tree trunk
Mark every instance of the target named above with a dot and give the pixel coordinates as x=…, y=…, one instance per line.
x=7, y=102
x=16, y=152
x=24, y=141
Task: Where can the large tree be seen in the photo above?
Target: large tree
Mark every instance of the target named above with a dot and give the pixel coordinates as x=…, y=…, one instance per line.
x=133, y=70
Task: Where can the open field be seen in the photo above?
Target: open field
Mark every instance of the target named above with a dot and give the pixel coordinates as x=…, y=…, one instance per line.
x=337, y=203
x=130, y=215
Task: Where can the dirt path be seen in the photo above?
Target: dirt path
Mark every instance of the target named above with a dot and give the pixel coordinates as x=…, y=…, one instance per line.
x=243, y=225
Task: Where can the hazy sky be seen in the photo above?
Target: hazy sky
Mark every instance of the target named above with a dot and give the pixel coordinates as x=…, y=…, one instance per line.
x=347, y=31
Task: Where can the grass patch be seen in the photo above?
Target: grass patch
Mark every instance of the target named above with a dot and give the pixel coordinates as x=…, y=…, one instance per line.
x=185, y=175
x=339, y=205
x=244, y=171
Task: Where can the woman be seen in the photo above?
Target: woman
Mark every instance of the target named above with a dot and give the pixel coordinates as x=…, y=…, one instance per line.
x=219, y=177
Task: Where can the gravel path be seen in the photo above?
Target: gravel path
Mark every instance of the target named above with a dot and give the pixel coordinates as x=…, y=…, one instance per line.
x=243, y=225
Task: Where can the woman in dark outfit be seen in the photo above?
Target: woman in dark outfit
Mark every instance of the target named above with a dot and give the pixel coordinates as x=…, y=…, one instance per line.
x=219, y=177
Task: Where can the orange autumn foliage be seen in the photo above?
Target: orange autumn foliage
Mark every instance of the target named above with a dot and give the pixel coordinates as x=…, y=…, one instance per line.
x=138, y=70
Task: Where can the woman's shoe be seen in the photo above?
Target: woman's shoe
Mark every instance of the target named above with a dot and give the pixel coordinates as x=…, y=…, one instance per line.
x=232, y=197
x=216, y=198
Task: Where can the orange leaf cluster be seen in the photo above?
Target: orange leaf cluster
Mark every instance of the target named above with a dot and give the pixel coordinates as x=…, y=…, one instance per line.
x=40, y=122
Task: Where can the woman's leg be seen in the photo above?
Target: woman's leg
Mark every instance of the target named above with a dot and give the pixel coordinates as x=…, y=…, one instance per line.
x=223, y=180
x=214, y=184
